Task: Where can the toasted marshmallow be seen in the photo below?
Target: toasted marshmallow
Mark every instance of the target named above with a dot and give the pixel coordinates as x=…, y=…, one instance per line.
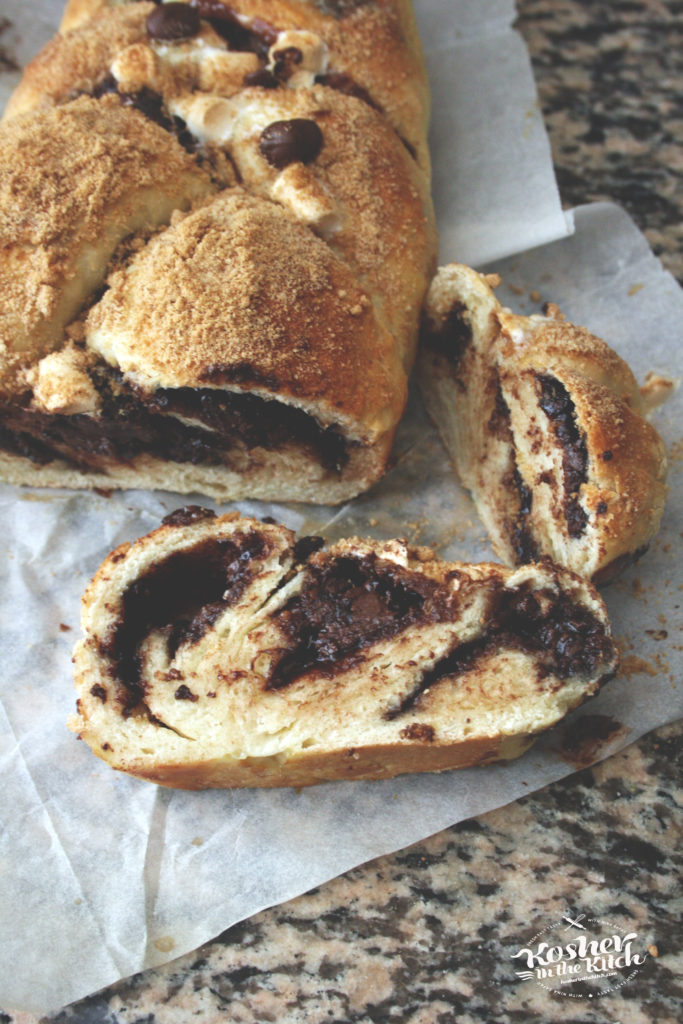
x=61, y=383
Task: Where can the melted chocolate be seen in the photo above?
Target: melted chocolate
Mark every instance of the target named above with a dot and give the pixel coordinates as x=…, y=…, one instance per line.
x=455, y=663
x=262, y=78
x=305, y=546
x=559, y=408
x=499, y=420
x=419, y=731
x=255, y=37
x=341, y=8
x=523, y=543
x=521, y=538
x=567, y=639
x=187, y=515
x=172, y=22
x=347, y=604
x=185, y=693
x=184, y=593
x=131, y=423
x=452, y=338
x=286, y=61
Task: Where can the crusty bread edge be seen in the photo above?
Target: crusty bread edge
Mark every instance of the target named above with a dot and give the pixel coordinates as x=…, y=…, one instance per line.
x=382, y=761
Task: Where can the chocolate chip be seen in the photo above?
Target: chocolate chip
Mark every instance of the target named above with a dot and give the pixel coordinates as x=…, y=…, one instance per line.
x=602, y=508
x=263, y=79
x=173, y=22
x=607, y=456
x=305, y=547
x=418, y=731
x=285, y=142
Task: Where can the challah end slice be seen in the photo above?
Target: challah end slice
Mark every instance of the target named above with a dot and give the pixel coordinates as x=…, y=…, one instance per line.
x=220, y=652
x=545, y=426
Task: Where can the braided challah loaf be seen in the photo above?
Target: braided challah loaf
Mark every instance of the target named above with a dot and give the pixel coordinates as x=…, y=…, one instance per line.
x=213, y=271
x=223, y=652
x=545, y=426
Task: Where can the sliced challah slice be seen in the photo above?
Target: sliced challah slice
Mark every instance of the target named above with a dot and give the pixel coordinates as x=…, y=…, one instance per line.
x=545, y=426
x=220, y=651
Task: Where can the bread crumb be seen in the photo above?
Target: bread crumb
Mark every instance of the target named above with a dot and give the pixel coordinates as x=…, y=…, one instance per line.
x=656, y=390
x=632, y=664
x=165, y=944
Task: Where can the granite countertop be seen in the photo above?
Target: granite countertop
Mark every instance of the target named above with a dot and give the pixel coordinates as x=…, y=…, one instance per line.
x=427, y=934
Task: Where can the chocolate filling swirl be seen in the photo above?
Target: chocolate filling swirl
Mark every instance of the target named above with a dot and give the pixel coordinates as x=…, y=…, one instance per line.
x=559, y=408
x=132, y=423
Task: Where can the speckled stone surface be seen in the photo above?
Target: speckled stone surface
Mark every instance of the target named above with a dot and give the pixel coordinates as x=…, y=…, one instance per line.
x=426, y=936
x=610, y=83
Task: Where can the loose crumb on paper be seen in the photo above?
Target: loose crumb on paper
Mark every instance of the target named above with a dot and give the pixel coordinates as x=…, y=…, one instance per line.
x=164, y=944
x=657, y=389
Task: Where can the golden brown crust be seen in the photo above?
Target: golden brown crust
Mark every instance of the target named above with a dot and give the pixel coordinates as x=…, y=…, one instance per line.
x=248, y=288
x=296, y=291
x=364, y=191
x=348, y=764
x=77, y=62
x=76, y=12
x=98, y=171
x=377, y=195
x=487, y=401
x=207, y=710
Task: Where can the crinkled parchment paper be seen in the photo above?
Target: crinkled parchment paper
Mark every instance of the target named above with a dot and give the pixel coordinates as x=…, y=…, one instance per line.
x=102, y=875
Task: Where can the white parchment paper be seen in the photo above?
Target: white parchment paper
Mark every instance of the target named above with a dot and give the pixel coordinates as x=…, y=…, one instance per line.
x=102, y=875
